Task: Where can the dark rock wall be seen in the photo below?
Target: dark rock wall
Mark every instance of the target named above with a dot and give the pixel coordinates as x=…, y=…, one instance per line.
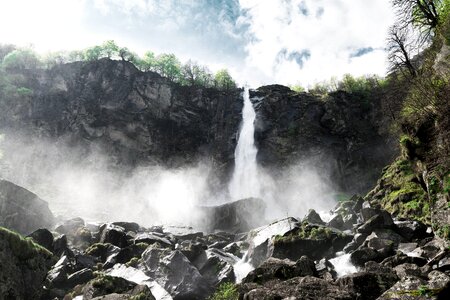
x=142, y=118
x=342, y=132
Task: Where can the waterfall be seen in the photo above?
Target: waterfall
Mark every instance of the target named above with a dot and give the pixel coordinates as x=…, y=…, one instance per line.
x=245, y=182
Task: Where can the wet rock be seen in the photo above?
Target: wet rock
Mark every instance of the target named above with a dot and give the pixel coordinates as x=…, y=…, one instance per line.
x=368, y=213
x=407, y=288
x=23, y=266
x=151, y=238
x=406, y=248
x=137, y=276
x=444, y=264
x=408, y=269
x=21, y=210
x=43, y=237
x=401, y=258
x=218, y=267
x=325, y=269
x=79, y=277
x=367, y=285
x=360, y=256
x=281, y=269
x=378, y=221
x=70, y=227
x=307, y=287
x=109, y=287
x=57, y=276
x=412, y=230
x=103, y=252
x=439, y=281
x=237, y=216
x=234, y=248
x=336, y=222
x=261, y=239
x=60, y=246
x=313, y=217
x=114, y=235
x=128, y=226
x=194, y=251
x=173, y=271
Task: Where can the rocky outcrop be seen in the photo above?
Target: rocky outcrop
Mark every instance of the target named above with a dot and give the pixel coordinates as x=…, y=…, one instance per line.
x=24, y=266
x=138, y=117
x=141, y=118
x=343, y=133
x=21, y=210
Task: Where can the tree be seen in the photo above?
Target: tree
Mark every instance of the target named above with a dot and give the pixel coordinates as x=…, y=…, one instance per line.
x=400, y=49
x=223, y=80
x=194, y=74
x=421, y=14
x=148, y=62
x=21, y=59
x=110, y=49
x=93, y=53
x=169, y=66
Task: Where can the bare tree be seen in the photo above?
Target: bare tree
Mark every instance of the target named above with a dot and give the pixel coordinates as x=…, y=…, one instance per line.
x=401, y=50
x=422, y=14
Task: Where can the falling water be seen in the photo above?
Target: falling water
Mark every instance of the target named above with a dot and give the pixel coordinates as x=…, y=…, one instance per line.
x=245, y=182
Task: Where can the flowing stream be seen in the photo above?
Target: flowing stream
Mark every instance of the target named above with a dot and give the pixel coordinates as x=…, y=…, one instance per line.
x=245, y=182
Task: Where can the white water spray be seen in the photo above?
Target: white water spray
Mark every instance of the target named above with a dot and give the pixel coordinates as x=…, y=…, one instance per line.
x=245, y=182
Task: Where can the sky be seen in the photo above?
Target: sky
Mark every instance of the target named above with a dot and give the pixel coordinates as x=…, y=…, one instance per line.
x=259, y=41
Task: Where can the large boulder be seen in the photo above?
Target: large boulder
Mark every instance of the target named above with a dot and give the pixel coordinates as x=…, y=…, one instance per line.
x=238, y=216
x=307, y=287
x=23, y=266
x=21, y=210
x=175, y=273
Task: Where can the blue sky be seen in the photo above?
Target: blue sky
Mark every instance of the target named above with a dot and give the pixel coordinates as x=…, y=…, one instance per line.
x=259, y=41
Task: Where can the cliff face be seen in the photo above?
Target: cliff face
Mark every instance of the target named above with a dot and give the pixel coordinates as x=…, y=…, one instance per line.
x=138, y=117
x=142, y=118
x=342, y=132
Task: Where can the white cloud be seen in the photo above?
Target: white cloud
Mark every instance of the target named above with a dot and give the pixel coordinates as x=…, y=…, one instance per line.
x=260, y=41
x=331, y=31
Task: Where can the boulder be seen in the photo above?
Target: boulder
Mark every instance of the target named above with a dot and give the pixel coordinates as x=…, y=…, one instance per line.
x=21, y=210
x=43, y=237
x=412, y=230
x=174, y=272
x=128, y=226
x=367, y=284
x=261, y=239
x=307, y=287
x=238, y=216
x=218, y=267
x=23, y=266
x=114, y=288
x=114, y=235
x=409, y=287
x=153, y=237
x=361, y=256
x=313, y=217
x=281, y=269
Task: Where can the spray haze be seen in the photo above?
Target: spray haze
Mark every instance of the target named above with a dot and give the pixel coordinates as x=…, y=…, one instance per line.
x=83, y=181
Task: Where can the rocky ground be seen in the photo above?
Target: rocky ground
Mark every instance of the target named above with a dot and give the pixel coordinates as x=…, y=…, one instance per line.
x=361, y=253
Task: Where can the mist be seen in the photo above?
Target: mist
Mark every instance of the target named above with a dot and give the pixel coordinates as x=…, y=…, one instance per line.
x=83, y=182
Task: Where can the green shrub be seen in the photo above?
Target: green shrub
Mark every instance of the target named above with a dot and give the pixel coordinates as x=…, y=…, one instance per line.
x=226, y=291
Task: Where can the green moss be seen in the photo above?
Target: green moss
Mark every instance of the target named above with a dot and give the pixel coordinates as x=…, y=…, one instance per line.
x=226, y=291
x=97, y=249
x=133, y=262
x=444, y=232
x=105, y=284
x=23, y=248
x=306, y=231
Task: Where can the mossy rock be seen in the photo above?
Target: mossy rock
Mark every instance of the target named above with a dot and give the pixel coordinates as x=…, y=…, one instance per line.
x=23, y=266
